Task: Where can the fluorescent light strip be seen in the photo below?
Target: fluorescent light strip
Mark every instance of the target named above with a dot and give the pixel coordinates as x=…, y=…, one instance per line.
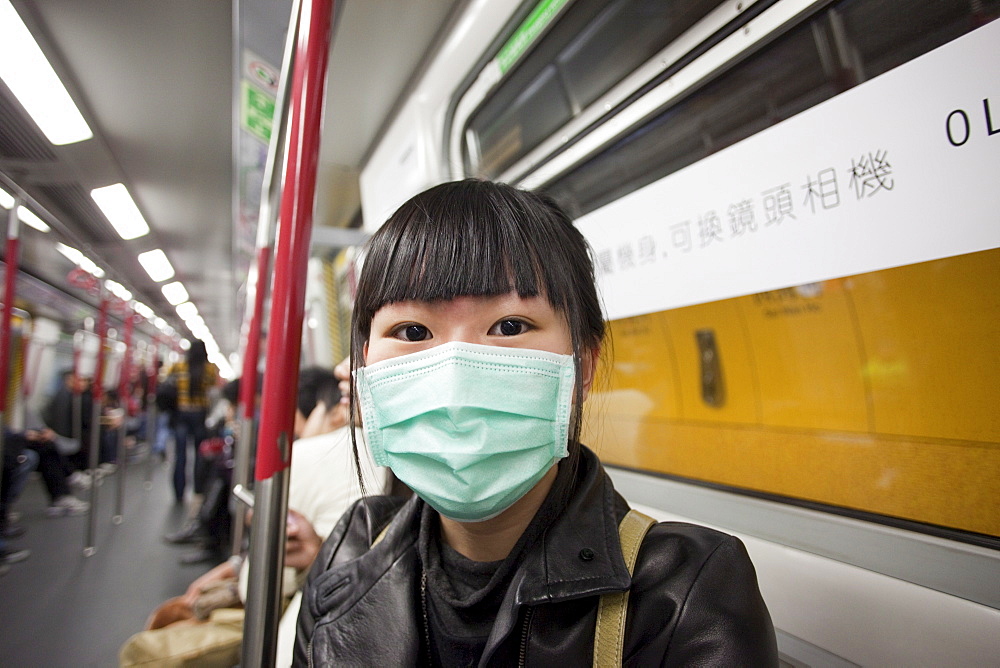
x=120, y=210
x=79, y=259
x=144, y=310
x=29, y=218
x=157, y=265
x=29, y=75
x=6, y=199
x=187, y=310
x=118, y=290
x=175, y=293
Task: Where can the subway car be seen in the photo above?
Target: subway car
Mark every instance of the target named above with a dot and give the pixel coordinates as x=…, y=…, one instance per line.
x=794, y=221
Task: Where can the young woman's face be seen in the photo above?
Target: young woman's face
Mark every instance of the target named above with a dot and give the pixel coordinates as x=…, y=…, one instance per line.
x=506, y=320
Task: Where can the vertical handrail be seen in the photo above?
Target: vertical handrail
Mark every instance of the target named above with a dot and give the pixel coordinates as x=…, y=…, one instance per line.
x=123, y=381
x=97, y=396
x=10, y=280
x=152, y=414
x=284, y=337
x=266, y=223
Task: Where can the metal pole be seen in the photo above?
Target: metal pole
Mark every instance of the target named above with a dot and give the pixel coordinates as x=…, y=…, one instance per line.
x=77, y=397
x=266, y=222
x=97, y=394
x=284, y=338
x=10, y=280
x=123, y=377
x=152, y=419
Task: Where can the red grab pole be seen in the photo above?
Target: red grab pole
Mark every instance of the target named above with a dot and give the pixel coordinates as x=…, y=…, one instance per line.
x=285, y=332
x=248, y=388
x=10, y=281
x=251, y=351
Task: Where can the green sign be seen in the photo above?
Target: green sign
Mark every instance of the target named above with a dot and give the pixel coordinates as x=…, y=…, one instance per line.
x=530, y=28
x=256, y=111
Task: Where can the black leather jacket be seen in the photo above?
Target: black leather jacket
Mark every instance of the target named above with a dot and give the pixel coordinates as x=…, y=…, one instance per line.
x=693, y=599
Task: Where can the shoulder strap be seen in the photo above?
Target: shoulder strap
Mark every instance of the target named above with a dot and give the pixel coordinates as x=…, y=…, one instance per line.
x=381, y=535
x=609, y=636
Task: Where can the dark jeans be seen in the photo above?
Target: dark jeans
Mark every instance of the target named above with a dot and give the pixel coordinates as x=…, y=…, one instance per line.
x=53, y=469
x=80, y=460
x=189, y=426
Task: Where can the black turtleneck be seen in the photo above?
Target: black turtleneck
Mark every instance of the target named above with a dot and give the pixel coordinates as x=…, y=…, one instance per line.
x=463, y=596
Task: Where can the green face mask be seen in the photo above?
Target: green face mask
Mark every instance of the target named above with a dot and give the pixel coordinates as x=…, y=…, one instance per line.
x=469, y=428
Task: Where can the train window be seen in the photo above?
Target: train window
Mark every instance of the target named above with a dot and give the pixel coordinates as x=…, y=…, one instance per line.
x=592, y=48
x=852, y=41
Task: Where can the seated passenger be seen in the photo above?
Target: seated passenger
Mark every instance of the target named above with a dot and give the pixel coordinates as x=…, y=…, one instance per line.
x=476, y=333
x=53, y=468
x=59, y=414
x=18, y=463
x=322, y=485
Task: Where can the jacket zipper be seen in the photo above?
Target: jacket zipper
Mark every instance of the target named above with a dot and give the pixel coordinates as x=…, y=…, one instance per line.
x=309, y=649
x=522, y=654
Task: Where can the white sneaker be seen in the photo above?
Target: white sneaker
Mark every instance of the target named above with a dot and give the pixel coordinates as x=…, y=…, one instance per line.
x=79, y=480
x=67, y=505
x=107, y=468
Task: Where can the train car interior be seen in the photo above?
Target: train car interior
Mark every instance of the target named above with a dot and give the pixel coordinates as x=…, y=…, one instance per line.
x=792, y=211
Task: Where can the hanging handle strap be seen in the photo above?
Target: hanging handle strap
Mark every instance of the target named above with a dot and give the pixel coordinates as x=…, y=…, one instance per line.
x=609, y=636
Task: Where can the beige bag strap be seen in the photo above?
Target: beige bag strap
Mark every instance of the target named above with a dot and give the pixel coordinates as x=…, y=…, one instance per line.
x=609, y=636
x=382, y=533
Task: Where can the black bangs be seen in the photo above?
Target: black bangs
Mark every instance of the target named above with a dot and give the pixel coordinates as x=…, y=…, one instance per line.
x=468, y=238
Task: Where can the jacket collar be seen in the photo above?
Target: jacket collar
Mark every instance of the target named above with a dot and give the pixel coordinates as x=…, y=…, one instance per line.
x=579, y=554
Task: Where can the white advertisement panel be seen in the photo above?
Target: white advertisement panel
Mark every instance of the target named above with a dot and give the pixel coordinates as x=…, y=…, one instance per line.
x=904, y=168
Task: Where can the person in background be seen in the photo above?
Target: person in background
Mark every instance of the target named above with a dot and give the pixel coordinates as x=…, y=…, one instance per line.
x=52, y=466
x=195, y=377
x=18, y=463
x=323, y=483
x=58, y=416
x=210, y=529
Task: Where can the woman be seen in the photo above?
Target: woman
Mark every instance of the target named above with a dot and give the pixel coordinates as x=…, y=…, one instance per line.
x=194, y=378
x=475, y=337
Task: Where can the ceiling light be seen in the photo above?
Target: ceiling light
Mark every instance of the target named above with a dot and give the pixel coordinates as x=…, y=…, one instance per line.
x=28, y=74
x=160, y=323
x=72, y=254
x=120, y=210
x=187, y=310
x=143, y=310
x=118, y=290
x=6, y=200
x=79, y=259
x=175, y=293
x=156, y=264
x=31, y=220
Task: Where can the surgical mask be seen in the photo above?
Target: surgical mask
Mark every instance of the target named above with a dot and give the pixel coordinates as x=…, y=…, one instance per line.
x=469, y=428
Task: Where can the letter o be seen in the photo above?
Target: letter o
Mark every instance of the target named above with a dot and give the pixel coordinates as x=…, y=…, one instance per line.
x=947, y=127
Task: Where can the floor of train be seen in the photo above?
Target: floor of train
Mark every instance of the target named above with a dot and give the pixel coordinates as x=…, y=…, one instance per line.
x=61, y=608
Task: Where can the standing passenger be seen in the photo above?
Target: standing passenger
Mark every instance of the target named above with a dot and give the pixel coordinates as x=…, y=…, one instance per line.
x=475, y=337
x=194, y=377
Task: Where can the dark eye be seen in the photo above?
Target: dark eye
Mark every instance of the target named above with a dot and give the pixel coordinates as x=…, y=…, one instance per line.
x=413, y=333
x=509, y=328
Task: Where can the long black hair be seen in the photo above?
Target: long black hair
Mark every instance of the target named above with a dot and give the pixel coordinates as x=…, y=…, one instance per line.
x=197, y=357
x=479, y=238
